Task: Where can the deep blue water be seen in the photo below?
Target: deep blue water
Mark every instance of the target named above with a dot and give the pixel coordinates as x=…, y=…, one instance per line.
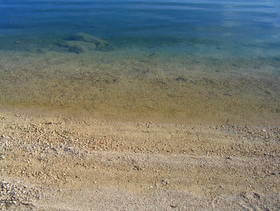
x=225, y=27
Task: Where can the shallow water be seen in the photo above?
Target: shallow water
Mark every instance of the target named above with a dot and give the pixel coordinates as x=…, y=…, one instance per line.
x=203, y=59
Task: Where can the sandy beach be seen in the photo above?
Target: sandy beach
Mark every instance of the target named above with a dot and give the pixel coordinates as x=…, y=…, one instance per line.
x=119, y=131
x=139, y=105
x=55, y=161
x=130, y=129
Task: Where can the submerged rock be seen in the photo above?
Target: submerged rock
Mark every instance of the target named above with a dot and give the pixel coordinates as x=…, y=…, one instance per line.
x=76, y=46
x=88, y=38
x=82, y=42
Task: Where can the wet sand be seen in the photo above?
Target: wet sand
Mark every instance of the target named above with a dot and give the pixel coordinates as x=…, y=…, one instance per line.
x=135, y=84
x=122, y=131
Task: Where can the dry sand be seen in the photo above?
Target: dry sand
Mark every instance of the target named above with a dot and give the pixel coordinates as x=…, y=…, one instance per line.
x=54, y=161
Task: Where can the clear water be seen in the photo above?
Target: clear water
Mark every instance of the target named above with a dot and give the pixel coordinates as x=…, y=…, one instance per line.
x=249, y=27
x=171, y=58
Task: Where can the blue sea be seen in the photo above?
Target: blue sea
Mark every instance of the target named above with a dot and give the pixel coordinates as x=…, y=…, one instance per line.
x=171, y=59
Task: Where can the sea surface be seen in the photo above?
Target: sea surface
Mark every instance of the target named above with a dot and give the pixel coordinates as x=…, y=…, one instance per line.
x=170, y=59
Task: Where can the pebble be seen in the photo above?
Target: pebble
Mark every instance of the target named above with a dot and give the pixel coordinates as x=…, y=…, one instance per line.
x=173, y=206
x=164, y=182
x=16, y=193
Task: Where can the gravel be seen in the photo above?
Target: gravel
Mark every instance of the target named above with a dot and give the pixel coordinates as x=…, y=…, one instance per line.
x=15, y=194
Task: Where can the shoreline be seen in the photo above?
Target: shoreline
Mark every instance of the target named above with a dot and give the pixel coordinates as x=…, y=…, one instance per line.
x=139, y=105
x=57, y=162
x=110, y=130
x=122, y=86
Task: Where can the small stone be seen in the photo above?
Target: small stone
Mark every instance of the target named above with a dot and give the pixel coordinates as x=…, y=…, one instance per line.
x=173, y=206
x=181, y=79
x=136, y=167
x=164, y=182
x=256, y=195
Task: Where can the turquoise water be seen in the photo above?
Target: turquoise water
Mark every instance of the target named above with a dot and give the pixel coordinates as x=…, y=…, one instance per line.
x=172, y=57
x=231, y=27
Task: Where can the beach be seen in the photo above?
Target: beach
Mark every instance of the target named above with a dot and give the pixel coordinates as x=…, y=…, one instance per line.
x=52, y=161
x=135, y=132
x=133, y=84
x=139, y=105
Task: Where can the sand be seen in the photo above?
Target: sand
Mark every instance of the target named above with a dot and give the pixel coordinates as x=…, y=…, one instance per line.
x=137, y=130
x=55, y=161
x=135, y=84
